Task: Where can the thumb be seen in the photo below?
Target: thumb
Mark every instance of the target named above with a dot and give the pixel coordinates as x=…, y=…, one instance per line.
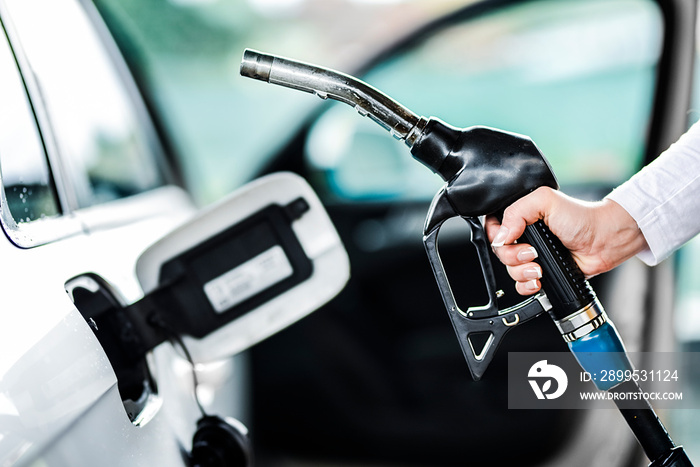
x=527, y=210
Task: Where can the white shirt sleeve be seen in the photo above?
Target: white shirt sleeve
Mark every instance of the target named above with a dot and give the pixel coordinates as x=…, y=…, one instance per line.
x=664, y=198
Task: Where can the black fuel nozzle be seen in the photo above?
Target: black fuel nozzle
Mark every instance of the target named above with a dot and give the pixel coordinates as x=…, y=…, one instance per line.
x=484, y=170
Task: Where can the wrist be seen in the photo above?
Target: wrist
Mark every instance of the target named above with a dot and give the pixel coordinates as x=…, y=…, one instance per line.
x=619, y=237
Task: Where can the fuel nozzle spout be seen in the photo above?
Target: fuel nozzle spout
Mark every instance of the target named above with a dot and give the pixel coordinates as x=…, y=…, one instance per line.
x=330, y=84
x=502, y=166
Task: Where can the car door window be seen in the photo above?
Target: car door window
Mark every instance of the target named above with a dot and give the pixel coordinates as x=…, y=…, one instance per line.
x=577, y=77
x=102, y=140
x=28, y=189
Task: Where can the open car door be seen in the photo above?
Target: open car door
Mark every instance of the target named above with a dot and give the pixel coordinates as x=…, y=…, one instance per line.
x=602, y=88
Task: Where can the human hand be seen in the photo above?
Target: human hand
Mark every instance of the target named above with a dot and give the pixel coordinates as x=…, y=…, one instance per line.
x=600, y=235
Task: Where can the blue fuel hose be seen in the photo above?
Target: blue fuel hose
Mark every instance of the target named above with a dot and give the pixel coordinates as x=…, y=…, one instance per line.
x=601, y=351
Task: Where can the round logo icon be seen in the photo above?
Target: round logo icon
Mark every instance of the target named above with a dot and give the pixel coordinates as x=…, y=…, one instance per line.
x=540, y=377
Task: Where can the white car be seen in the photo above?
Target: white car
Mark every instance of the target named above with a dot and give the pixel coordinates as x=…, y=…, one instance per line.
x=105, y=260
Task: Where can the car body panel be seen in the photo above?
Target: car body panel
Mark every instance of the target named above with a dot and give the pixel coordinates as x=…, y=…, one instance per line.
x=59, y=399
x=62, y=398
x=55, y=373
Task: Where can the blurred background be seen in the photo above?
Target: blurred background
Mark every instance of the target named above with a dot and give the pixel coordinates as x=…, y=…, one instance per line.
x=376, y=377
x=188, y=54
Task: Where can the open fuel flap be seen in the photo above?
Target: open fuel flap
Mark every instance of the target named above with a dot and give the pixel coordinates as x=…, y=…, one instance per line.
x=244, y=269
x=239, y=271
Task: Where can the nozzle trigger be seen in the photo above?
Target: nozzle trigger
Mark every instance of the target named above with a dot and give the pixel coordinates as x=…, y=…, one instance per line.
x=481, y=329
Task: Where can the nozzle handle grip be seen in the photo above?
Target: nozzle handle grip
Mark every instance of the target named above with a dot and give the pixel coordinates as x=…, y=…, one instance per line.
x=562, y=279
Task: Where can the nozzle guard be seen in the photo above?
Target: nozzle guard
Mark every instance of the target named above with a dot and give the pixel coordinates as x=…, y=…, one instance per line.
x=482, y=320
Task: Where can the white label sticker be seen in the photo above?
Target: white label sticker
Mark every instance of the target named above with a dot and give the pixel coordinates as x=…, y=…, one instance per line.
x=246, y=280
